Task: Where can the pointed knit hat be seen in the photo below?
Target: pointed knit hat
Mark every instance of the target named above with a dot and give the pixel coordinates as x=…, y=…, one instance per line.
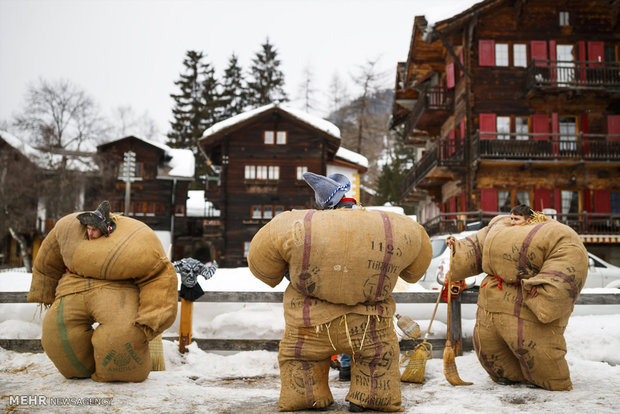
x=99, y=218
x=328, y=191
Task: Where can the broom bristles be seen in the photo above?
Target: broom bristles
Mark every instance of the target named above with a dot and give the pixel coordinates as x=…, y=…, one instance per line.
x=156, y=349
x=449, y=366
x=416, y=366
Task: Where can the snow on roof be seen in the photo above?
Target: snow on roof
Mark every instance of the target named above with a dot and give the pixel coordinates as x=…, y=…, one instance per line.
x=196, y=206
x=352, y=157
x=315, y=121
x=47, y=160
x=181, y=163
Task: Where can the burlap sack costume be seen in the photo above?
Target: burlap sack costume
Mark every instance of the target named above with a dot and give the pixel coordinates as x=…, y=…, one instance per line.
x=124, y=282
x=536, y=272
x=343, y=266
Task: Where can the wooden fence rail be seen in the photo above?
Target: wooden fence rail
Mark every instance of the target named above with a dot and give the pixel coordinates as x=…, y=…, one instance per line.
x=215, y=344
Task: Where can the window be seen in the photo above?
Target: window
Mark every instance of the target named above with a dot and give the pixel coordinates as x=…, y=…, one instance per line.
x=300, y=172
x=503, y=125
x=566, y=65
x=277, y=210
x=275, y=137
x=564, y=18
x=261, y=172
x=570, y=202
x=523, y=197
x=267, y=212
x=519, y=55
x=521, y=127
x=268, y=137
x=246, y=248
x=615, y=202
x=257, y=212
x=274, y=172
x=568, y=133
x=250, y=172
x=503, y=201
x=501, y=54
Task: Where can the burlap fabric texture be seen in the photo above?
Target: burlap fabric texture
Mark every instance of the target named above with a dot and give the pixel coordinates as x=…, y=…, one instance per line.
x=343, y=267
x=536, y=272
x=124, y=282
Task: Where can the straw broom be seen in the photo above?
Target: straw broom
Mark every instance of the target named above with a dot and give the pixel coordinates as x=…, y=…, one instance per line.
x=156, y=349
x=416, y=359
x=449, y=363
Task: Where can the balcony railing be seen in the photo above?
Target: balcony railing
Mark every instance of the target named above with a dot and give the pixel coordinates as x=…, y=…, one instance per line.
x=586, y=75
x=446, y=152
x=545, y=146
x=432, y=98
x=582, y=223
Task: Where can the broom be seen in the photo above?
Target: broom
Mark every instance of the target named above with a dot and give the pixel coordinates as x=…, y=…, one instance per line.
x=449, y=363
x=416, y=359
x=156, y=349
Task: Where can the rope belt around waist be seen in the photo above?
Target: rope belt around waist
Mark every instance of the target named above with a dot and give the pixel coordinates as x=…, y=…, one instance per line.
x=500, y=282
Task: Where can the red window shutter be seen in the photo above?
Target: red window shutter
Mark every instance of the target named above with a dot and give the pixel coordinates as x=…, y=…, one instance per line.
x=452, y=204
x=450, y=75
x=486, y=52
x=463, y=202
x=602, y=201
x=613, y=127
x=553, y=58
x=488, y=123
x=555, y=129
x=452, y=138
x=542, y=199
x=462, y=62
x=581, y=50
x=540, y=125
x=539, y=51
x=596, y=52
x=488, y=199
x=586, y=200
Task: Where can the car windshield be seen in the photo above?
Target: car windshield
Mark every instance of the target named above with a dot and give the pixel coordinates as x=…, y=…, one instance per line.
x=438, y=247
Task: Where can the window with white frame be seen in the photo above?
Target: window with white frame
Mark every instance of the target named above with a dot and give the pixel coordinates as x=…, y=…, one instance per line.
x=277, y=210
x=503, y=125
x=281, y=137
x=250, y=172
x=275, y=137
x=503, y=201
x=570, y=202
x=523, y=197
x=519, y=55
x=301, y=170
x=267, y=212
x=564, y=18
x=261, y=172
x=246, y=248
x=521, y=128
x=501, y=54
x=274, y=172
x=257, y=212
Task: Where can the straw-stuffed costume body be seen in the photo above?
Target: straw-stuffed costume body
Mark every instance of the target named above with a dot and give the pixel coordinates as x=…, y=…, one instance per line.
x=535, y=274
x=123, y=281
x=343, y=267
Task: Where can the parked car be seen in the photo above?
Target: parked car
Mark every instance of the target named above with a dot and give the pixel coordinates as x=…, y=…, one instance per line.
x=600, y=273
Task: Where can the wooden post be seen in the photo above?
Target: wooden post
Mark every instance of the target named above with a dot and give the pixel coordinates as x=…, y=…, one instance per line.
x=455, y=325
x=185, y=325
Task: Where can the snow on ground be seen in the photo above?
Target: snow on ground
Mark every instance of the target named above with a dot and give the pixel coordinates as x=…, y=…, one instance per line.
x=207, y=382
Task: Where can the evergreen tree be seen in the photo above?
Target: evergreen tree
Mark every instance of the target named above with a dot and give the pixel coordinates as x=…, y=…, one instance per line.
x=234, y=95
x=397, y=165
x=196, y=107
x=267, y=84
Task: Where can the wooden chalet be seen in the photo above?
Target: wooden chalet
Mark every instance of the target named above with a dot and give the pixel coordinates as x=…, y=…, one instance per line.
x=515, y=101
x=256, y=161
x=158, y=191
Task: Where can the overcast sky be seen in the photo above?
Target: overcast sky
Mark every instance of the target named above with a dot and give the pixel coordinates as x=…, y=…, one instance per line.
x=130, y=52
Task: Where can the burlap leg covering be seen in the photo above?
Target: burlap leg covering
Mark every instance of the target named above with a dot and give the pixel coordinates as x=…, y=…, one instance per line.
x=304, y=358
x=121, y=349
x=66, y=337
x=540, y=349
x=375, y=372
x=494, y=354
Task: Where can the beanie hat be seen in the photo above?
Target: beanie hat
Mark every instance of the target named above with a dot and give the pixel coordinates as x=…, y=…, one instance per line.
x=99, y=218
x=328, y=191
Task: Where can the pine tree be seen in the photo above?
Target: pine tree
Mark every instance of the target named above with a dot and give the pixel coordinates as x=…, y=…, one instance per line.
x=394, y=170
x=267, y=84
x=197, y=106
x=234, y=94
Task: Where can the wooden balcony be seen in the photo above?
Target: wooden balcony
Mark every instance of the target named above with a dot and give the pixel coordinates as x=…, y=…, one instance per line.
x=428, y=109
x=545, y=146
x=444, y=153
x=582, y=223
x=557, y=75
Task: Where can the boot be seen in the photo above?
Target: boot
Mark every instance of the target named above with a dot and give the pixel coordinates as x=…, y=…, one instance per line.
x=354, y=408
x=345, y=374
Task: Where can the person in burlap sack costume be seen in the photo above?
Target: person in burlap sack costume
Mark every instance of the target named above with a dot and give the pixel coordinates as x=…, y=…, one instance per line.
x=536, y=269
x=343, y=264
x=91, y=268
